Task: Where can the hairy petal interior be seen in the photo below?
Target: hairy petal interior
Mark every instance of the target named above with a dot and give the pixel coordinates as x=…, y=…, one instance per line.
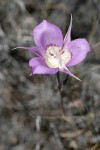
x=57, y=57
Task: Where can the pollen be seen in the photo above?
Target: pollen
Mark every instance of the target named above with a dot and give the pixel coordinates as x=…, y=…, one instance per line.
x=56, y=57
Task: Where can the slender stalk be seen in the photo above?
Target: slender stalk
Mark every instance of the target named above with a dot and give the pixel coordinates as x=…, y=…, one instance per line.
x=60, y=86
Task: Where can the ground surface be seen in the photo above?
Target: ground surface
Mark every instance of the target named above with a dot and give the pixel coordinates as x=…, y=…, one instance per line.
x=30, y=115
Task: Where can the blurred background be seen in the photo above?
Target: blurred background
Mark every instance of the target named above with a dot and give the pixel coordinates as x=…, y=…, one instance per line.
x=30, y=115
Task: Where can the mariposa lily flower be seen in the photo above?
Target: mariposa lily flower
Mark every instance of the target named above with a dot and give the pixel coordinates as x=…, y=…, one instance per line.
x=54, y=53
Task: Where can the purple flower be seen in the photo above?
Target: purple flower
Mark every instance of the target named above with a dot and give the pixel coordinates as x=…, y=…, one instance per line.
x=54, y=53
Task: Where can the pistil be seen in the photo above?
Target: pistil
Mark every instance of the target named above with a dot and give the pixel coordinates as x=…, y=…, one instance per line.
x=57, y=57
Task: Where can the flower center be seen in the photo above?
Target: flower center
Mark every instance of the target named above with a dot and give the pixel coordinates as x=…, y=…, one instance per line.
x=56, y=57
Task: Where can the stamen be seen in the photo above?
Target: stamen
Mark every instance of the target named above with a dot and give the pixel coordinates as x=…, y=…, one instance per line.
x=62, y=52
x=51, y=54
